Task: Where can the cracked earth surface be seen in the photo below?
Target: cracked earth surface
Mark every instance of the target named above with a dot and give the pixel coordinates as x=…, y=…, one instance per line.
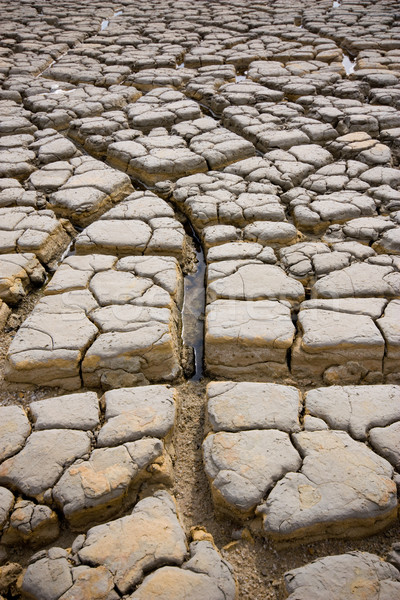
x=200, y=300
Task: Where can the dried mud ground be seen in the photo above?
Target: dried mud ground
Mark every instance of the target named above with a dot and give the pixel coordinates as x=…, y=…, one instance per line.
x=259, y=565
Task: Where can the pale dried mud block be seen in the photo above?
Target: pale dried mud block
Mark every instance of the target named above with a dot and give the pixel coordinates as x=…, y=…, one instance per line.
x=343, y=489
x=386, y=442
x=271, y=234
x=26, y=230
x=94, y=490
x=389, y=242
x=152, y=535
x=360, y=572
x=316, y=212
x=50, y=344
x=242, y=280
x=17, y=161
x=381, y=176
x=355, y=409
x=389, y=325
x=253, y=336
x=131, y=300
x=221, y=147
x=242, y=467
x=241, y=251
x=134, y=413
x=338, y=346
x=148, y=79
x=162, y=108
x=38, y=466
x=50, y=146
x=72, y=411
x=142, y=224
x=204, y=575
x=230, y=198
x=14, y=429
x=33, y=524
x=105, y=300
x=359, y=280
x=241, y=406
x=18, y=273
x=12, y=193
x=87, y=194
x=149, y=560
x=49, y=178
x=155, y=158
x=118, y=359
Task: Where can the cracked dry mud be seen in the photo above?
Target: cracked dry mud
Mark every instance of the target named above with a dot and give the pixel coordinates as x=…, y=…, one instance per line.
x=200, y=300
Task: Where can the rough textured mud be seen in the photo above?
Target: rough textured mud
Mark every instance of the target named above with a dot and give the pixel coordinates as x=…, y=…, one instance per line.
x=199, y=300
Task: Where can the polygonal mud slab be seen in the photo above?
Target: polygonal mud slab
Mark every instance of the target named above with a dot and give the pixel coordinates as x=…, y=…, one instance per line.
x=38, y=466
x=314, y=212
x=87, y=485
x=269, y=233
x=359, y=281
x=192, y=147
x=336, y=177
x=355, y=409
x=310, y=261
x=155, y=158
x=242, y=467
x=93, y=490
x=12, y=193
x=361, y=573
x=339, y=341
x=204, y=575
x=228, y=198
x=70, y=68
x=239, y=251
x=248, y=339
x=343, y=489
x=220, y=147
x=386, y=442
x=152, y=536
x=142, y=224
x=148, y=79
x=14, y=429
x=64, y=104
x=105, y=300
x=18, y=273
x=6, y=503
x=26, y=230
x=251, y=280
x=389, y=325
x=30, y=523
x=50, y=146
x=280, y=126
x=16, y=160
x=162, y=108
x=72, y=411
x=381, y=230
x=151, y=556
x=50, y=344
x=90, y=190
x=360, y=146
x=241, y=406
x=133, y=413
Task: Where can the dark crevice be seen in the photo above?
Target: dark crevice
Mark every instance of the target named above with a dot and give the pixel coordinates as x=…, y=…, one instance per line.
x=193, y=311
